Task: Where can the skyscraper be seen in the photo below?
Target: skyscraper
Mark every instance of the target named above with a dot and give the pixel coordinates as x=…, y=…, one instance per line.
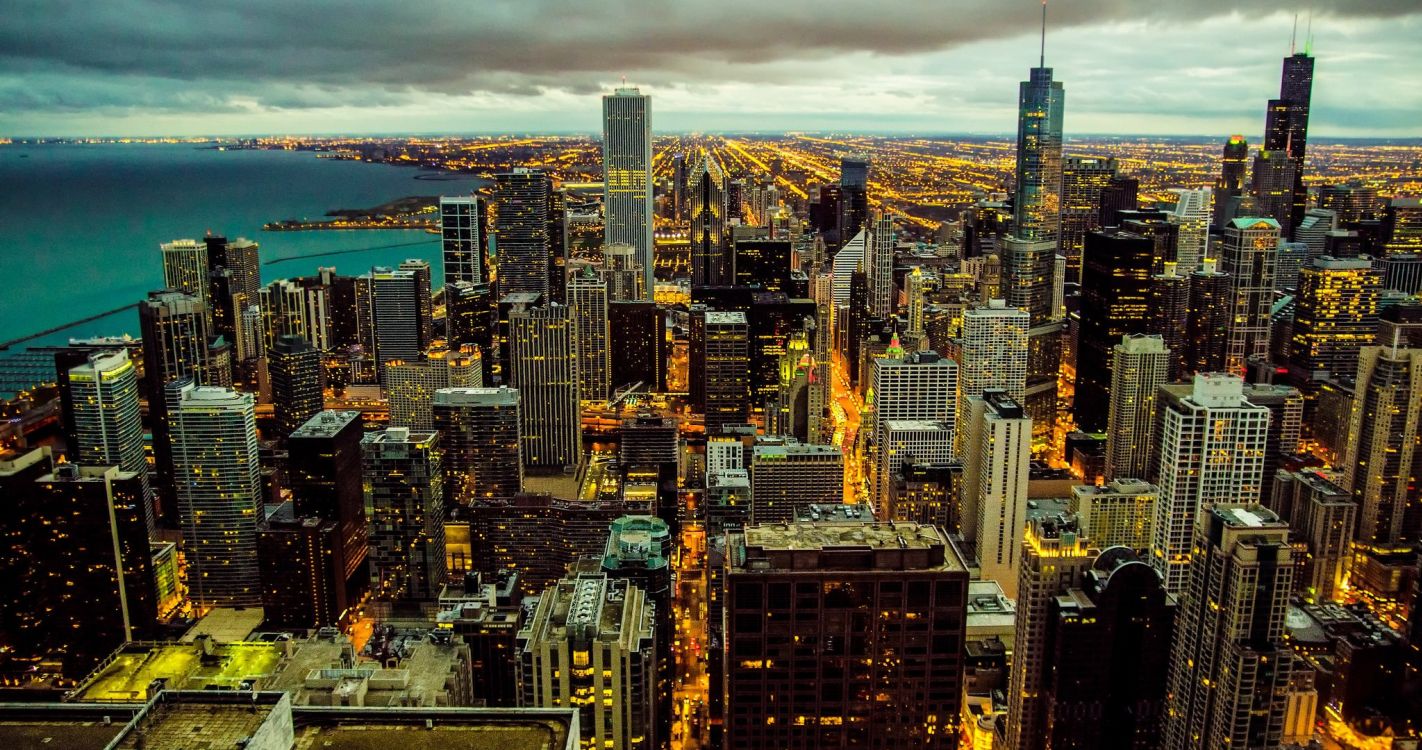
x=219, y=492
x=1139, y=366
x=479, y=430
x=297, y=379
x=521, y=231
x=920, y=387
x=1192, y=215
x=398, y=322
x=1324, y=517
x=1115, y=294
x=855, y=599
x=1286, y=130
x=997, y=449
x=624, y=274
x=854, y=195
x=1230, y=186
x=1117, y=514
x=712, y=263
x=404, y=490
x=1229, y=665
x=1247, y=257
x=185, y=267
x=638, y=353
x=1037, y=201
x=323, y=471
x=992, y=352
x=544, y=367
x=175, y=346
x=1381, y=457
x=107, y=418
x=294, y=307
x=627, y=175
x=410, y=386
x=1210, y=449
x=1336, y=315
x=469, y=320
x=464, y=238
x=881, y=268
x=720, y=363
x=1083, y=177
x=787, y=476
x=1208, y=325
x=587, y=306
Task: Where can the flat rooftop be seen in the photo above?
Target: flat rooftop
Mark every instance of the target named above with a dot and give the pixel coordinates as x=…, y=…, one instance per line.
x=197, y=726
x=326, y=423
x=819, y=535
x=77, y=734
x=227, y=624
x=129, y=672
x=373, y=735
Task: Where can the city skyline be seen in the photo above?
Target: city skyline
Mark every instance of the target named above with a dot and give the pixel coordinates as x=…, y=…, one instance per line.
x=919, y=70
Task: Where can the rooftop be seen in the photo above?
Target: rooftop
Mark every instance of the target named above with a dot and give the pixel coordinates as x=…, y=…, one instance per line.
x=326, y=423
x=803, y=535
x=128, y=673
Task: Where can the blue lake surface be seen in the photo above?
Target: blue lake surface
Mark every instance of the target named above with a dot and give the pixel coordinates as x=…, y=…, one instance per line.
x=80, y=224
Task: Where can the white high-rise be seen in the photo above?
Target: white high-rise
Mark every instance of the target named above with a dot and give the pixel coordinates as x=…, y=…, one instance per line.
x=1140, y=365
x=461, y=221
x=627, y=174
x=1210, y=450
x=185, y=267
x=1248, y=256
x=587, y=306
x=997, y=438
x=914, y=283
x=881, y=268
x=992, y=352
x=1192, y=215
x=214, y=433
x=904, y=440
x=918, y=387
x=108, y=421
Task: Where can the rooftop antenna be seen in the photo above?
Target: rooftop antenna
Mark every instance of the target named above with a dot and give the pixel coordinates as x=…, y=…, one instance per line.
x=1042, y=62
x=1294, y=35
x=1308, y=32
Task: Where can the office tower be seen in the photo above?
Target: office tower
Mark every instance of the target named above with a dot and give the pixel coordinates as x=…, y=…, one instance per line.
x=303, y=566
x=881, y=267
x=639, y=551
x=396, y=319
x=469, y=318
x=1055, y=556
x=423, y=290
x=624, y=274
x=1229, y=665
x=462, y=222
x=905, y=443
x=992, y=353
x=1139, y=366
x=679, y=186
x=1027, y=276
x=1336, y=314
x=720, y=367
x=1401, y=324
x=521, y=234
x=711, y=260
x=1209, y=449
x=241, y=258
x=297, y=380
x=558, y=245
x=323, y=471
x=76, y=571
x=638, y=353
x=1291, y=258
x=1381, y=456
x=1324, y=518
x=1351, y=202
x=1402, y=226
x=765, y=263
x=1168, y=315
x=479, y=431
x=914, y=291
x=1119, y=195
x=1314, y=228
x=1107, y=657
x=590, y=642
x=1192, y=215
x=786, y=477
x=214, y=434
x=1230, y=185
x=1115, y=295
x=185, y=267
x=917, y=387
x=855, y=598
x=107, y=418
x=292, y=307
x=1207, y=327
x=404, y=494
x=1117, y=514
x=1286, y=410
x=1286, y=131
x=1248, y=256
x=1273, y=179
x=627, y=175
x=1037, y=201
x=647, y=440
x=175, y=346
x=1402, y=273
x=544, y=368
x=854, y=195
x=997, y=449
x=410, y=386
x=587, y=306
x=1083, y=177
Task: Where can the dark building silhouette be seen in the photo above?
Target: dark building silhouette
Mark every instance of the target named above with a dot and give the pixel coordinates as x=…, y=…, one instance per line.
x=469, y=319
x=303, y=570
x=297, y=378
x=324, y=475
x=1207, y=328
x=1115, y=297
x=1230, y=186
x=638, y=350
x=763, y=263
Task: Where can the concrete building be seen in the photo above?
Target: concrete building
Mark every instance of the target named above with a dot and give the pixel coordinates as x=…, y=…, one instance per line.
x=992, y=352
x=464, y=238
x=788, y=476
x=1139, y=366
x=1119, y=514
x=1380, y=454
x=479, y=431
x=921, y=386
x=1248, y=255
x=587, y=307
x=997, y=450
x=544, y=366
x=627, y=175
x=410, y=385
x=404, y=490
x=1323, y=516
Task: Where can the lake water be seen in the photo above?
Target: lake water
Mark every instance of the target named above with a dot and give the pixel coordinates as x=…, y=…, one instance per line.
x=80, y=225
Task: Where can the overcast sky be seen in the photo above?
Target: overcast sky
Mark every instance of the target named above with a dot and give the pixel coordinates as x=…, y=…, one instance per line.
x=185, y=67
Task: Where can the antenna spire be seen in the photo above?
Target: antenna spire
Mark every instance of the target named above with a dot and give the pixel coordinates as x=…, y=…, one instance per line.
x=1042, y=61
x=1308, y=33
x=1294, y=35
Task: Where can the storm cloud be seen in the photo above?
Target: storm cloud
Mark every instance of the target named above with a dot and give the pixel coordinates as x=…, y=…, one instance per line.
x=525, y=63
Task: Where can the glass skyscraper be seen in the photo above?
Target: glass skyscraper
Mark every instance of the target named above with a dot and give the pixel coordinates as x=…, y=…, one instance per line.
x=627, y=174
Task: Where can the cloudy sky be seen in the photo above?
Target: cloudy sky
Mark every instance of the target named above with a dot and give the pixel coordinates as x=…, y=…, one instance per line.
x=150, y=67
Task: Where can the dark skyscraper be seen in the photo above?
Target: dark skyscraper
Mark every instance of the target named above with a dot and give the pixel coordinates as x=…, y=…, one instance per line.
x=324, y=474
x=1207, y=327
x=854, y=195
x=1083, y=178
x=711, y=261
x=523, y=253
x=638, y=353
x=1230, y=186
x=296, y=379
x=1115, y=297
x=1286, y=129
x=469, y=319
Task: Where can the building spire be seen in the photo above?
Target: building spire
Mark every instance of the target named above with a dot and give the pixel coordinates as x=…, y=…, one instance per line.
x=1294, y=35
x=1042, y=61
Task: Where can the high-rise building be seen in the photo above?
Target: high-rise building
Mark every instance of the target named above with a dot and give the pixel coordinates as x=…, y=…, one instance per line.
x=323, y=471
x=1314, y=228
x=1037, y=202
x=303, y=570
x=1083, y=177
x=854, y=195
x=881, y=267
x=997, y=450
x=1121, y=194
x=1209, y=449
x=914, y=292
x=185, y=267
x=242, y=258
x=992, y=353
x=1107, y=657
x=1286, y=130
x=297, y=379
x=712, y=263
x=521, y=231
x=627, y=175
x=1192, y=216
x=1117, y=514
x=479, y=430
x=588, y=308
x=1168, y=315
x=1273, y=178
x=623, y=273
x=788, y=476
x=1381, y=456
x=404, y=492
x=854, y=598
x=1115, y=298
x=1336, y=314
x=1208, y=324
x=410, y=386
x=76, y=569
x=1229, y=666
x=297, y=307
x=107, y=417
x=424, y=291
x=590, y=642
x=397, y=320
x=465, y=240
x=916, y=387
x=907, y=442
x=720, y=367
x=1351, y=202
x=638, y=353
x=1248, y=256
x=544, y=368
x=1324, y=517
x=220, y=494
x=1402, y=226
x=1139, y=366
x=1055, y=556
x=1230, y=186
x=469, y=320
